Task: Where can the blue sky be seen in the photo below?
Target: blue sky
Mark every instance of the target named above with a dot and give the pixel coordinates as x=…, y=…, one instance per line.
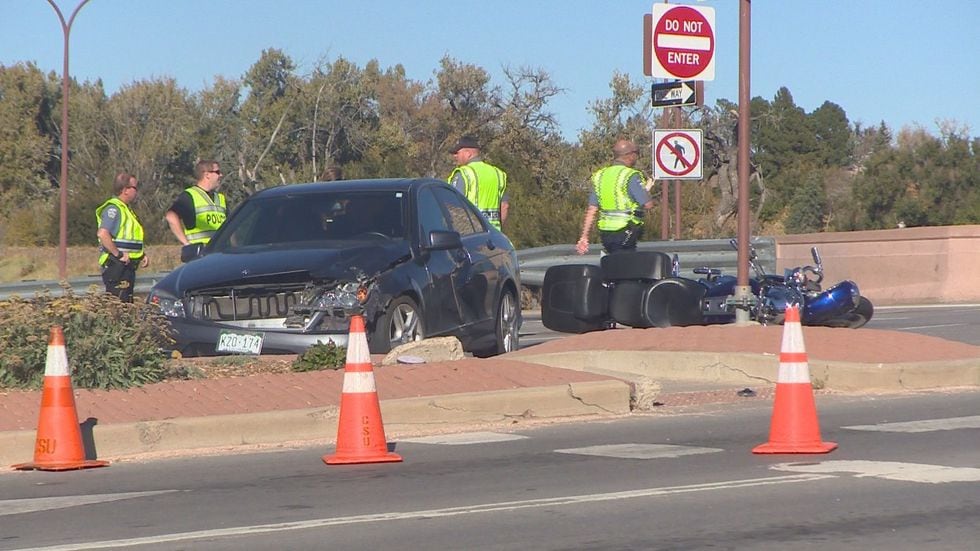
x=903, y=62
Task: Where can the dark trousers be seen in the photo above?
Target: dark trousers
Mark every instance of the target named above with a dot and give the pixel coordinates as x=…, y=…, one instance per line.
x=119, y=278
x=623, y=240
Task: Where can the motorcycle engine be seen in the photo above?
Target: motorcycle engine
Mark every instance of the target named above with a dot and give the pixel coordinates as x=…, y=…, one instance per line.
x=773, y=300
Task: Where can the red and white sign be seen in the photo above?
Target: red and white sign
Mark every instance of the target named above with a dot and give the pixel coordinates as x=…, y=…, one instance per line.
x=677, y=155
x=683, y=42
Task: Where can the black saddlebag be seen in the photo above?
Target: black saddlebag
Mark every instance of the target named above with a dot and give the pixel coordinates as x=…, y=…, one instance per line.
x=636, y=265
x=573, y=299
x=664, y=303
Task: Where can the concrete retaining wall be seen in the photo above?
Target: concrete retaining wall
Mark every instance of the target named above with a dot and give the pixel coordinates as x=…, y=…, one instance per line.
x=900, y=266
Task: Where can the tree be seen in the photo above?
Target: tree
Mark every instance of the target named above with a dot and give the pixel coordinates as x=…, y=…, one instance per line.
x=832, y=132
x=806, y=211
x=264, y=157
x=28, y=165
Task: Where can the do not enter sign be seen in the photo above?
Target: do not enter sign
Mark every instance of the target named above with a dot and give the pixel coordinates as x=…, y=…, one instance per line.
x=683, y=42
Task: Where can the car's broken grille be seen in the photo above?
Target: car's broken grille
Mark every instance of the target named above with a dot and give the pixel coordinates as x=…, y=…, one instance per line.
x=238, y=306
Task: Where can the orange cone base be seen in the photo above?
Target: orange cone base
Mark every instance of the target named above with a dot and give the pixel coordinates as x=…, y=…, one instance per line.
x=75, y=465
x=337, y=459
x=816, y=447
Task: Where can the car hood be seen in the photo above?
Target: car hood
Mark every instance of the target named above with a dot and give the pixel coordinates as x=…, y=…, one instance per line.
x=285, y=265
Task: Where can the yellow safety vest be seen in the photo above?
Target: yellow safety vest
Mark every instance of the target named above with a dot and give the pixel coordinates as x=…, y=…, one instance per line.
x=129, y=238
x=484, y=185
x=616, y=207
x=208, y=215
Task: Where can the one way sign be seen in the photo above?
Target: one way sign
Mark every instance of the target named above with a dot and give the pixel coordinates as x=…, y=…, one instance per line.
x=674, y=94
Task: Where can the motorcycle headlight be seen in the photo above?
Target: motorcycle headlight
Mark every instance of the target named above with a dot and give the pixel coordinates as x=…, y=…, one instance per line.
x=855, y=295
x=169, y=305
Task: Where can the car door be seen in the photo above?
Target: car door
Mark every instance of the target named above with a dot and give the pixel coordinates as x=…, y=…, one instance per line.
x=474, y=277
x=440, y=302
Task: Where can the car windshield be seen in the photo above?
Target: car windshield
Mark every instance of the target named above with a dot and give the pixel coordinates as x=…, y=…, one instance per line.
x=305, y=218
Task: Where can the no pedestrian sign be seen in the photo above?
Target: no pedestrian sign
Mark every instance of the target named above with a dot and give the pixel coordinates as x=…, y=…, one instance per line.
x=677, y=155
x=683, y=42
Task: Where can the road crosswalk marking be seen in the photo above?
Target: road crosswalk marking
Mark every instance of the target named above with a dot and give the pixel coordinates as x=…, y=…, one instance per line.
x=463, y=439
x=926, y=425
x=888, y=470
x=639, y=451
x=30, y=505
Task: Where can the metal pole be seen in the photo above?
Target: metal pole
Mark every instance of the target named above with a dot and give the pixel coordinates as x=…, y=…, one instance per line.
x=63, y=216
x=664, y=184
x=678, y=113
x=743, y=293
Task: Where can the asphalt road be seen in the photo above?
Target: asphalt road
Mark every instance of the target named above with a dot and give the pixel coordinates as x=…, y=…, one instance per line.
x=906, y=476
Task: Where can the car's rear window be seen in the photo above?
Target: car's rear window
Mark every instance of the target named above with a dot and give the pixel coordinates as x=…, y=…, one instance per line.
x=301, y=218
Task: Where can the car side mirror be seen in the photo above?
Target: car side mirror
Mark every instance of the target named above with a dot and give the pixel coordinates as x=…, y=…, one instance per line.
x=440, y=240
x=191, y=251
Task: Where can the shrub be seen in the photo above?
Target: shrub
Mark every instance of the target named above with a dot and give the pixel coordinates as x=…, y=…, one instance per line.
x=321, y=356
x=109, y=343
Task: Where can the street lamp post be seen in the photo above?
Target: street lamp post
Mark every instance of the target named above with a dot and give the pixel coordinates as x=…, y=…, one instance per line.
x=63, y=217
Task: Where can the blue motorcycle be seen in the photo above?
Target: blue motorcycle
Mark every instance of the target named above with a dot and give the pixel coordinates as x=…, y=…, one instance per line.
x=838, y=306
x=644, y=289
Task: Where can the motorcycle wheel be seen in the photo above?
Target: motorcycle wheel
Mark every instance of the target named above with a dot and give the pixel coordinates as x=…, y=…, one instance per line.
x=861, y=314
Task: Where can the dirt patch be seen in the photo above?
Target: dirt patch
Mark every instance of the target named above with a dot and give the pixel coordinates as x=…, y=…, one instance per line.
x=220, y=367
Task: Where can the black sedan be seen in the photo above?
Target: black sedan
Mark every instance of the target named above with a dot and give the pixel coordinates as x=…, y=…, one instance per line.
x=292, y=264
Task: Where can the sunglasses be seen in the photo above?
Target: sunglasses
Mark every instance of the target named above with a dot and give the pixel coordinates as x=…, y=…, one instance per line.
x=218, y=172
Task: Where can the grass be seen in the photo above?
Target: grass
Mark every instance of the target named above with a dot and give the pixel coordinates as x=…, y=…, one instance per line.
x=41, y=263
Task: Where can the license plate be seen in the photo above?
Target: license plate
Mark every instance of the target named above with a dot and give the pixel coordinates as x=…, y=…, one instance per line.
x=239, y=343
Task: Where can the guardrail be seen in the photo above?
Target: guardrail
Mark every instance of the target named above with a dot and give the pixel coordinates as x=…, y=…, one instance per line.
x=78, y=285
x=711, y=253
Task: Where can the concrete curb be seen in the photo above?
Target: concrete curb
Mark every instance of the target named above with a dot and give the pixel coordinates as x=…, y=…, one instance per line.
x=401, y=416
x=762, y=369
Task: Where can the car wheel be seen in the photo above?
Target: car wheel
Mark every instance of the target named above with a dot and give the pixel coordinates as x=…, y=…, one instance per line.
x=400, y=323
x=506, y=327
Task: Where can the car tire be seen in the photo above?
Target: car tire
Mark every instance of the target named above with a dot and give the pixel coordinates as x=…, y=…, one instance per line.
x=506, y=327
x=400, y=323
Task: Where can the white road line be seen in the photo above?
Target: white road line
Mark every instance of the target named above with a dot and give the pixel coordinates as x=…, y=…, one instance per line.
x=926, y=306
x=912, y=327
x=437, y=513
x=926, y=425
x=888, y=470
x=30, y=505
x=639, y=451
x=464, y=438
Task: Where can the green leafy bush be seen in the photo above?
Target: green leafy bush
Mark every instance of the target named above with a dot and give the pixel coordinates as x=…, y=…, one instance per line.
x=109, y=343
x=321, y=356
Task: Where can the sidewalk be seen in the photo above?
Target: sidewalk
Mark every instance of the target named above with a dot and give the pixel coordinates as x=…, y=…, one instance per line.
x=596, y=374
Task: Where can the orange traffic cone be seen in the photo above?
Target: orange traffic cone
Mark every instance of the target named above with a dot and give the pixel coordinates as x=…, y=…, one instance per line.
x=59, y=438
x=360, y=434
x=794, y=427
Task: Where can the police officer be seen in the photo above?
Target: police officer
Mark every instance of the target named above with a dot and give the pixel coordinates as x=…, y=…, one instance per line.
x=618, y=193
x=199, y=210
x=120, y=238
x=482, y=183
